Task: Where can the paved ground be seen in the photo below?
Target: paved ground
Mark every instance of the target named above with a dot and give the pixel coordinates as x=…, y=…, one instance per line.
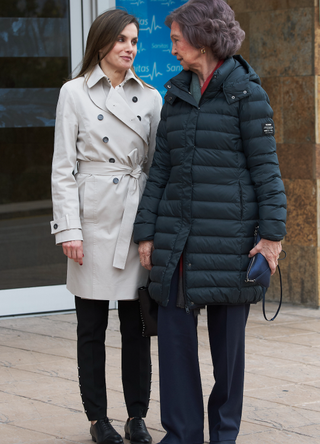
x=40, y=402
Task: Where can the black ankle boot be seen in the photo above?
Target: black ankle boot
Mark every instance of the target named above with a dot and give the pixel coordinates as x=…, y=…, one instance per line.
x=102, y=432
x=136, y=431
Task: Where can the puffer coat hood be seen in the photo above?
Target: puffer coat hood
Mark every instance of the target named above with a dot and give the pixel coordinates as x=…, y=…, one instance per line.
x=214, y=177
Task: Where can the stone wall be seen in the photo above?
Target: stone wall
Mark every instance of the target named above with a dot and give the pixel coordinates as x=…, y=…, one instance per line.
x=282, y=45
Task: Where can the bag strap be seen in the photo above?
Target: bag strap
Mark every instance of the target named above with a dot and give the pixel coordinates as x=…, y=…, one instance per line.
x=264, y=295
x=264, y=300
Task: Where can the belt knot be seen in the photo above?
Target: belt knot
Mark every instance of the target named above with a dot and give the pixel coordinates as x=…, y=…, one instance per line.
x=136, y=172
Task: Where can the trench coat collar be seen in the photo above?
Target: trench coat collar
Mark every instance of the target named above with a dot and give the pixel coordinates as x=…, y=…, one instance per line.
x=115, y=103
x=97, y=74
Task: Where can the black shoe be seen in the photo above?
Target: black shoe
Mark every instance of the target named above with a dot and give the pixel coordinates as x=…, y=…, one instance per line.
x=102, y=432
x=136, y=431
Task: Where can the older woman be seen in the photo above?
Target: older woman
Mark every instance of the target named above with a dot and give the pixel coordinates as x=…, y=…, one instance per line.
x=214, y=177
x=106, y=123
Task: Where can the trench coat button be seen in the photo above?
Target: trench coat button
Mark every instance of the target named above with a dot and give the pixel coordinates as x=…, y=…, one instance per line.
x=233, y=97
x=169, y=86
x=214, y=77
x=111, y=160
x=100, y=117
x=115, y=180
x=134, y=99
x=55, y=226
x=245, y=92
x=139, y=118
x=105, y=139
x=189, y=92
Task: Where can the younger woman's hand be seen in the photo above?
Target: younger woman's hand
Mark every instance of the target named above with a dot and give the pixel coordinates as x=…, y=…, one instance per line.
x=74, y=250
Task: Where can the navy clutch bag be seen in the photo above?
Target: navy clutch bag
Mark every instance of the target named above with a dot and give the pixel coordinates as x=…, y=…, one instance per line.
x=258, y=271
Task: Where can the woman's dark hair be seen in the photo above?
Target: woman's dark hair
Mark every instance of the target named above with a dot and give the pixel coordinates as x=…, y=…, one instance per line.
x=103, y=34
x=209, y=23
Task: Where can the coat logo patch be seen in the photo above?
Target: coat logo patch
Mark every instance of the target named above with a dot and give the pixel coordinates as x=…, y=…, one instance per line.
x=268, y=129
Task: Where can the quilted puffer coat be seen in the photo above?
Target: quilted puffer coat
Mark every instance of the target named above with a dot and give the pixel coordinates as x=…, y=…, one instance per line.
x=214, y=177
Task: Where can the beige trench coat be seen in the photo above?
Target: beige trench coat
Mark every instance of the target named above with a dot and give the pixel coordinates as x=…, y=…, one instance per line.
x=104, y=144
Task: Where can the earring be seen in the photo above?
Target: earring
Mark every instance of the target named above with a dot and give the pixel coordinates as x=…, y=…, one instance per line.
x=202, y=50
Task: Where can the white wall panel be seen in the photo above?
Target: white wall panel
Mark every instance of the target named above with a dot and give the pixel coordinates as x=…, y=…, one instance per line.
x=21, y=301
x=104, y=5
x=88, y=15
x=76, y=34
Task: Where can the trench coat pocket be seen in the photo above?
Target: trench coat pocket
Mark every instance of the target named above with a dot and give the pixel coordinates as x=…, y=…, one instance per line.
x=88, y=200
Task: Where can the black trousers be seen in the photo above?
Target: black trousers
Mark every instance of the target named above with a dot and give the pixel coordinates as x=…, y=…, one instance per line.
x=181, y=399
x=92, y=318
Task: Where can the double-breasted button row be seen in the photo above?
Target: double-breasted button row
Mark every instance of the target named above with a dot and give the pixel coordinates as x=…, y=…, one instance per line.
x=105, y=139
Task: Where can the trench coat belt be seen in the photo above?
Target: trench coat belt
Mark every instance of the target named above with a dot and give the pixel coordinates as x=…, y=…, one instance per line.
x=132, y=201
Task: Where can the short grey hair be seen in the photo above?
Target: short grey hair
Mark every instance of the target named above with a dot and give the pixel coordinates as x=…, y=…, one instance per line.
x=209, y=23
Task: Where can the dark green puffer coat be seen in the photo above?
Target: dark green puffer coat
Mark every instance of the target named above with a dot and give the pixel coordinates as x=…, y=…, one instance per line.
x=214, y=177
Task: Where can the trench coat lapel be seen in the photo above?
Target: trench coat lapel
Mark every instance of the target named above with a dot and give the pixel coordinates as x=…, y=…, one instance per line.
x=114, y=103
x=117, y=106
x=95, y=88
x=98, y=96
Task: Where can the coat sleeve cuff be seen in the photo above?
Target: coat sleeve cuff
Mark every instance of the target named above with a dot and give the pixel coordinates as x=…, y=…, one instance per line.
x=65, y=223
x=142, y=233
x=68, y=235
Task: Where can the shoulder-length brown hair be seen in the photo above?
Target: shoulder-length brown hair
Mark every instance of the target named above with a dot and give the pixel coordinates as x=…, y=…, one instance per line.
x=103, y=34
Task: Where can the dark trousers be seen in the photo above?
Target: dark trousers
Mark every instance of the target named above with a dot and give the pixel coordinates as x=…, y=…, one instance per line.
x=181, y=400
x=92, y=318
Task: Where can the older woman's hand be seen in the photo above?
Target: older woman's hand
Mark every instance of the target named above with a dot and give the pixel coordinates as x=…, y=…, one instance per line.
x=270, y=250
x=145, y=250
x=74, y=250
